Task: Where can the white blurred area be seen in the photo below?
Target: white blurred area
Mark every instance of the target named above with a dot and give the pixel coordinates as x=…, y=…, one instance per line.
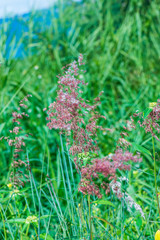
x=9, y=8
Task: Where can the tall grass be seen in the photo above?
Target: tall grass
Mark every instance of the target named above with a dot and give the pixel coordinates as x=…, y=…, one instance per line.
x=120, y=41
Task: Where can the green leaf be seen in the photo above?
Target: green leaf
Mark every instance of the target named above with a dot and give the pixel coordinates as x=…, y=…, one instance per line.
x=24, y=237
x=147, y=112
x=141, y=149
x=139, y=222
x=146, y=200
x=43, y=236
x=104, y=202
x=103, y=220
x=16, y=220
x=2, y=126
x=44, y=216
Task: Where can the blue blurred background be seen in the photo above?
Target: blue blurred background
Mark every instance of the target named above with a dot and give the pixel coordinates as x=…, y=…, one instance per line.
x=17, y=14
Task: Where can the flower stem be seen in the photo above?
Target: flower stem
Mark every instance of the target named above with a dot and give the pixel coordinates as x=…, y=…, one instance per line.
x=90, y=219
x=155, y=176
x=27, y=229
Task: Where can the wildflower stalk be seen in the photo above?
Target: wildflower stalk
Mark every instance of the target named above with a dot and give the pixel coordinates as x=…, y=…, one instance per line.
x=90, y=219
x=18, y=174
x=155, y=176
x=77, y=119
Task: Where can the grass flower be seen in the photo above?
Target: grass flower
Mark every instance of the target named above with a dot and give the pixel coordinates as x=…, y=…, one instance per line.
x=18, y=176
x=104, y=169
x=77, y=119
x=68, y=113
x=150, y=123
x=130, y=203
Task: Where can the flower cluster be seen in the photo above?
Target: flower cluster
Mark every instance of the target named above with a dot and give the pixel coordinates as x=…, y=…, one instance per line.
x=151, y=122
x=68, y=112
x=17, y=176
x=104, y=169
x=77, y=119
x=148, y=120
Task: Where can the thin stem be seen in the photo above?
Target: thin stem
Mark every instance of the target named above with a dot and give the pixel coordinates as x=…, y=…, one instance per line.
x=155, y=175
x=3, y=224
x=90, y=219
x=27, y=229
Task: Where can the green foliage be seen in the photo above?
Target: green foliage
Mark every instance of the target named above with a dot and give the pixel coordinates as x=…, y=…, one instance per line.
x=120, y=42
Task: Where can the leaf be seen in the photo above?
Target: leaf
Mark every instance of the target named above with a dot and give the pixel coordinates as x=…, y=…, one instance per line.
x=22, y=220
x=19, y=220
x=44, y=216
x=24, y=237
x=146, y=200
x=139, y=222
x=43, y=236
x=131, y=190
x=147, y=112
x=2, y=126
x=141, y=149
x=104, y=221
x=104, y=202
